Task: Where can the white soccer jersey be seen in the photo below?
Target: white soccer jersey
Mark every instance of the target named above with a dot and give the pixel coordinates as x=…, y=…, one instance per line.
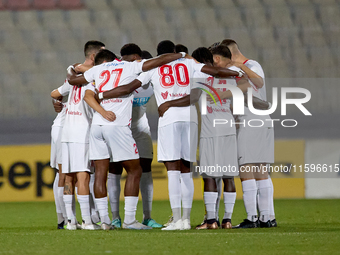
x=172, y=81
x=79, y=114
x=217, y=111
x=257, y=92
x=257, y=68
x=111, y=75
x=60, y=118
x=141, y=97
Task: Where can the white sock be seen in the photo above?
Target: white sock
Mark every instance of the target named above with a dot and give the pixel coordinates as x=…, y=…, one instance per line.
x=68, y=207
x=229, y=202
x=103, y=210
x=219, y=192
x=74, y=201
x=249, y=198
x=264, y=199
x=130, y=209
x=93, y=208
x=113, y=188
x=61, y=201
x=187, y=187
x=146, y=189
x=210, y=199
x=174, y=186
x=271, y=204
x=56, y=200
x=84, y=202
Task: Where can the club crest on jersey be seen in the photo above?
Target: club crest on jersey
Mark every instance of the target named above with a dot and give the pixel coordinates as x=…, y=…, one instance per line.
x=209, y=108
x=165, y=95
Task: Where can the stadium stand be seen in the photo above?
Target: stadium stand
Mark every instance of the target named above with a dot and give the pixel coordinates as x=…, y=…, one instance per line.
x=291, y=39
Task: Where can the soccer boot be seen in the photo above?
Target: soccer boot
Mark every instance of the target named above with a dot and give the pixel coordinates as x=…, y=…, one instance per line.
x=186, y=224
x=90, y=226
x=151, y=223
x=61, y=225
x=266, y=224
x=174, y=225
x=78, y=225
x=226, y=224
x=203, y=225
x=212, y=224
x=246, y=224
x=105, y=226
x=135, y=225
x=274, y=223
x=71, y=226
x=171, y=219
x=117, y=223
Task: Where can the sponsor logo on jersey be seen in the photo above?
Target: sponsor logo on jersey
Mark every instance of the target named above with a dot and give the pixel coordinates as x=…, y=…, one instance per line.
x=140, y=101
x=165, y=95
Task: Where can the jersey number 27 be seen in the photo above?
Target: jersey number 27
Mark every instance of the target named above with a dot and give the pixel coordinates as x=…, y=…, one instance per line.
x=106, y=75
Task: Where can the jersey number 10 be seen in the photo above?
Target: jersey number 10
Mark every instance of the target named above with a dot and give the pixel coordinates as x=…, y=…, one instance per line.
x=169, y=75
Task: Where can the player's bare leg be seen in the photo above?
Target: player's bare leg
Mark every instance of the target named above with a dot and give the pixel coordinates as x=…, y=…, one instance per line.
x=113, y=188
x=174, y=186
x=229, y=197
x=249, y=195
x=264, y=196
x=100, y=192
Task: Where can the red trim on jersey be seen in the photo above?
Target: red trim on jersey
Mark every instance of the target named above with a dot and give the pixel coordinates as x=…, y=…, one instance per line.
x=118, y=60
x=245, y=61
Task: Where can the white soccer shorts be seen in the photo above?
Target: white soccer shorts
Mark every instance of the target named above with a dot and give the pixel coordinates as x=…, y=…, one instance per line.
x=142, y=135
x=255, y=145
x=218, y=156
x=177, y=141
x=75, y=157
x=56, y=151
x=114, y=142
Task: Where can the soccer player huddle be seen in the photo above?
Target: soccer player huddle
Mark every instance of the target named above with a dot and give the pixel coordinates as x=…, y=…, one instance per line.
x=102, y=128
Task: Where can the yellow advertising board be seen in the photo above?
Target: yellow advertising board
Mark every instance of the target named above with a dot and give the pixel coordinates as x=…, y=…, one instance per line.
x=25, y=174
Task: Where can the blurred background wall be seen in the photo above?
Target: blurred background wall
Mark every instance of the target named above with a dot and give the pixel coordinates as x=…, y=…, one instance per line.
x=291, y=39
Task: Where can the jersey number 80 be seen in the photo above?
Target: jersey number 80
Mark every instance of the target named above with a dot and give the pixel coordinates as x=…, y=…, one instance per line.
x=169, y=75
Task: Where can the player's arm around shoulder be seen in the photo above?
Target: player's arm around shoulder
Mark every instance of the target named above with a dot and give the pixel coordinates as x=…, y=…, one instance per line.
x=89, y=98
x=161, y=60
x=79, y=79
x=255, y=78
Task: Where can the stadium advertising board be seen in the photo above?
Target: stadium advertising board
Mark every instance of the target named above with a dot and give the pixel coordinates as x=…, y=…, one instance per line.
x=25, y=174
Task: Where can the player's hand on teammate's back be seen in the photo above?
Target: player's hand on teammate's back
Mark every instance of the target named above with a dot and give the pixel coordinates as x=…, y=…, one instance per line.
x=163, y=108
x=110, y=116
x=58, y=106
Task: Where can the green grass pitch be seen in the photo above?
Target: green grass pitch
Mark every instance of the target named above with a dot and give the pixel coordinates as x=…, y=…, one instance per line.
x=305, y=227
